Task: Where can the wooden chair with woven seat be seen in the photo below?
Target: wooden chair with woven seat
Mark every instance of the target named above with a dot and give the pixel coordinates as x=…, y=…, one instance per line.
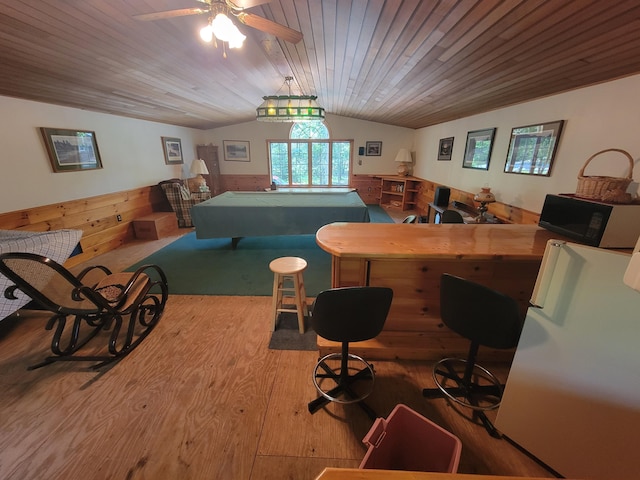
x=123, y=306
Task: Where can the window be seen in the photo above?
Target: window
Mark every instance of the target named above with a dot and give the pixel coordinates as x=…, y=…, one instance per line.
x=310, y=157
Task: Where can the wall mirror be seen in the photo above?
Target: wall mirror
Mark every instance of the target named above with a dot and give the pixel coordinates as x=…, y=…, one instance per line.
x=532, y=148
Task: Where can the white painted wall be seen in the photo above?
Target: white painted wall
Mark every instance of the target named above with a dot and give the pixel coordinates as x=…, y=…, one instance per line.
x=340, y=128
x=596, y=118
x=131, y=153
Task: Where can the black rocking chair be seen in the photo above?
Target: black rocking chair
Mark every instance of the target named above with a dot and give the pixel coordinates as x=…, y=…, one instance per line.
x=127, y=305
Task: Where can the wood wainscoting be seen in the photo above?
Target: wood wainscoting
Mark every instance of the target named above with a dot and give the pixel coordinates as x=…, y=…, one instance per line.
x=369, y=189
x=505, y=212
x=97, y=217
x=245, y=183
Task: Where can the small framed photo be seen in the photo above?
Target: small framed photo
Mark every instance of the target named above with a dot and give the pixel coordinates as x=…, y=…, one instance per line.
x=532, y=148
x=71, y=150
x=373, y=149
x=236, y=151
x=477, y=153
x=172, y=150
x=445, y=148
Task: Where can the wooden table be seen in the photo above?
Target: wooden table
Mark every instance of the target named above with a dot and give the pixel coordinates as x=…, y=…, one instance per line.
x=410, y=258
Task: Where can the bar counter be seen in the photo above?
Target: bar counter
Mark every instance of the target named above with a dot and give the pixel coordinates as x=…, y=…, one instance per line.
x=410, y=258
x=364, y=474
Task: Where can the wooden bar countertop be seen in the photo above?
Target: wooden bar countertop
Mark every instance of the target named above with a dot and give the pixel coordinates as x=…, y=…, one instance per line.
x=426, y=240
x=364, y=474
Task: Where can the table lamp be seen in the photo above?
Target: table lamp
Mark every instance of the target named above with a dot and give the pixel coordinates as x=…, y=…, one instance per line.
x=484, y=197
x=404, y=159
x=198, y=168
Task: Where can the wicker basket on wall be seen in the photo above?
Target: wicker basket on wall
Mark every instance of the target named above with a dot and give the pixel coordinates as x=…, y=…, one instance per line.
x=605, y=189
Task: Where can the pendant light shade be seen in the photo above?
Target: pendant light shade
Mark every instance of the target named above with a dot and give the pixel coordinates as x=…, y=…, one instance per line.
x=289, y=108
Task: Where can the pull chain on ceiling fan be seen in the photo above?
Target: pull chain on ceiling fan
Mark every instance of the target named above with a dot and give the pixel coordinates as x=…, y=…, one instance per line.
x=221, y=27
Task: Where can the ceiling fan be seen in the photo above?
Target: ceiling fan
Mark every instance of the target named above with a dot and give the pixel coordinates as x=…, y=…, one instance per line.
x=226, y=7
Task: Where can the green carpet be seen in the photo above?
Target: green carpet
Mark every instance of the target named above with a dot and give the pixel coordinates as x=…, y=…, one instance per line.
x=212, y=267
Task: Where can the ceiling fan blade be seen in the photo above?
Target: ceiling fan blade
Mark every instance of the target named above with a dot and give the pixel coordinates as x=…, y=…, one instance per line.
x=171, y=13
x=267, y=26
x=244, y=4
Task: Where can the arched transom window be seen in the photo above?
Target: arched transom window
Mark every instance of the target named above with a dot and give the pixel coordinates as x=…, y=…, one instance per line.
x=310, y=158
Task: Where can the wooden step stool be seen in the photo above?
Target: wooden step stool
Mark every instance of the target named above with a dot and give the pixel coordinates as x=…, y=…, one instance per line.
x=289, y=284
x=155, y=225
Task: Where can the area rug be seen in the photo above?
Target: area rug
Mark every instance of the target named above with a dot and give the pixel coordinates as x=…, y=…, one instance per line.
x=287, y=337
x=213, y=267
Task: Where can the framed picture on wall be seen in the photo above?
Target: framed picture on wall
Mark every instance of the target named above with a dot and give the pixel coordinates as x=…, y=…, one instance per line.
x=71, y=150
x=373, y=149
x=236, y=151
x=172, y=148
x=477, y=152
x=532, y=148
x=445, y=148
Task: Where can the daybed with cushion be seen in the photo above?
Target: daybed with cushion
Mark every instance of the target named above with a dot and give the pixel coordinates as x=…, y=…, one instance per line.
x=57, y=245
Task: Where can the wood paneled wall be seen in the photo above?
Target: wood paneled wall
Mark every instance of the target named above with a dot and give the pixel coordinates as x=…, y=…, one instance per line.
x=97, y=217
x=369, y=188
x=505, y=212
x=245, y=183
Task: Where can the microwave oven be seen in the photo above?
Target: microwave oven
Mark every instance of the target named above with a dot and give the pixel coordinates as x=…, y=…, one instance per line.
x=592, y=223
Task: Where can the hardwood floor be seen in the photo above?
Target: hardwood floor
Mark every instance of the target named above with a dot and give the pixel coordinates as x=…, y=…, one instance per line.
x=203, y=397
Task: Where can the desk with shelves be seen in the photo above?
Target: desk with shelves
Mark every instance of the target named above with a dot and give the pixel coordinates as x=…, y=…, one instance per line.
x=469, y=214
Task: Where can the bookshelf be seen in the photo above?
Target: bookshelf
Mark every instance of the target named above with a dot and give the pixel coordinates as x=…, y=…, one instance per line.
x=399, y=192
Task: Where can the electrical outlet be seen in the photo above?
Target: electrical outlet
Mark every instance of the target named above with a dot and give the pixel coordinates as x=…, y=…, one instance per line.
x=119, y=218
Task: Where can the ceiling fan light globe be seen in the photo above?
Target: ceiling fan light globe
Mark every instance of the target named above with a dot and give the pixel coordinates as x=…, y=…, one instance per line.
x=206, y=33
x=223, y=28
x=237, y=39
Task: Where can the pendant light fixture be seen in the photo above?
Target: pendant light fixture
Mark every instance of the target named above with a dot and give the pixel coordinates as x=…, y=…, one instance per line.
x=289, y=108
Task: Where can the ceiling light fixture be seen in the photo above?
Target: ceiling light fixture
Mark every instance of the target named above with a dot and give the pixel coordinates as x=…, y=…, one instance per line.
x=289, y=108
x=222, y=28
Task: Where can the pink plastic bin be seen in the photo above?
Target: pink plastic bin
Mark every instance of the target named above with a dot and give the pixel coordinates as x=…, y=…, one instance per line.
x=408, y=441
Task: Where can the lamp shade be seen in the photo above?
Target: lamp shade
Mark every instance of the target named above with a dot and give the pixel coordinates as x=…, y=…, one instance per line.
x=403, y=156
x=198, y=167
x=404, y=159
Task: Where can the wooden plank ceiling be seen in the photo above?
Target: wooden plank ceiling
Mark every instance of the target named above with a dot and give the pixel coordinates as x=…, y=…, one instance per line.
x=411, y=63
